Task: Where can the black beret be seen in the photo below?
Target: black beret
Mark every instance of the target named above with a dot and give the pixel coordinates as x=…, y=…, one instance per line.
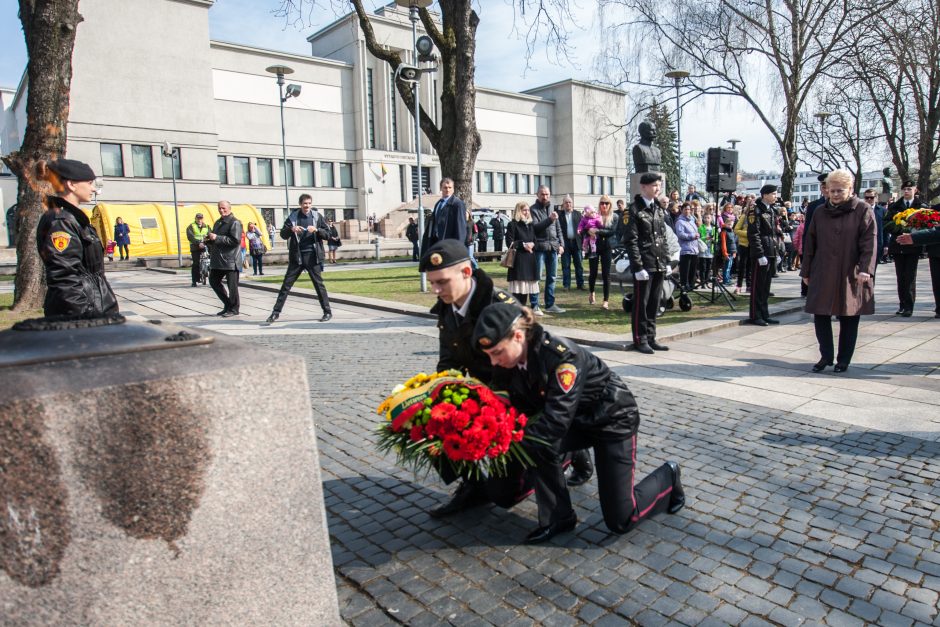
x=909, y=183
x=768, y=189
x=494, y=324
x=72, y=170
x=822, y=177
x=443, y=254
x=648, y=178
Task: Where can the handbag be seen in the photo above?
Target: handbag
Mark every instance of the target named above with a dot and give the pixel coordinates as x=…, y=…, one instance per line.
x=787, y=239
x=509, y=258
x=702, y=247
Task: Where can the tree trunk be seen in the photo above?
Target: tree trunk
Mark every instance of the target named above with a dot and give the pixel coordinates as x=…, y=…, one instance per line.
x=49, y=29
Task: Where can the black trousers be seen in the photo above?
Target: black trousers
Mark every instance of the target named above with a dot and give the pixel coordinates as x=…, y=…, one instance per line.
x=414, y=251
x=935, y=282
x=230, y=299
x=687, y=270
x=848, y=336
x=645, y=307
x=604, y=259
x=312, y=265
x=195, y=267
x=905, y=267
x=760, y=289
x=744, y=265
x=624, y=502
x=498, y=244
x=481, y=245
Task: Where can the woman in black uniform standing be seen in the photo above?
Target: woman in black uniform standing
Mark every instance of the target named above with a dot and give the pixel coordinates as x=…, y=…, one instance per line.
x=582, y=403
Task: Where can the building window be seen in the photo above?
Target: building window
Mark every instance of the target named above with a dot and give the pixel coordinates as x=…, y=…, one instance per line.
x=370, y=107
x=513, y=184
x=112, y=160
x=306, y=174
x=434, y=99
x=526, y=185
x=142, y=158
x=600, y=185
x=326, y=174
x=610, y=185
x=425, y=180
x=393, y=98
x=590, y=184
x=223, y=170
x=345, y=175
x=174, y=163
x=401, y=183
x=547, y=181
x=290, y=171
x=265, y=172
x=487, y=182
x=242, y=170
x=500, y=183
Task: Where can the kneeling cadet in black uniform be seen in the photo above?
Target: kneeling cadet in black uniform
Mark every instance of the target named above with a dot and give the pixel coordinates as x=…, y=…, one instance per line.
x=582, y=403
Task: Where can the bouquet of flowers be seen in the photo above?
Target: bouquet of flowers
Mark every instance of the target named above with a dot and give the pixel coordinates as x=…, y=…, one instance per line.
x=923, y=219
x=901, y=221
x=449, y=418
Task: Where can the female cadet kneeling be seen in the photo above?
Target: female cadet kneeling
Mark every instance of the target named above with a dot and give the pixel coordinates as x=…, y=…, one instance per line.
x=582, y=403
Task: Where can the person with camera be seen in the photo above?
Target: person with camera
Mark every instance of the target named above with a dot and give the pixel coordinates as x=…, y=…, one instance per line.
x=579, y=402
x=196, y=235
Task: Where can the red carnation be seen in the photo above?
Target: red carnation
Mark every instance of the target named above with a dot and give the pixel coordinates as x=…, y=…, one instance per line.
x=417, y=433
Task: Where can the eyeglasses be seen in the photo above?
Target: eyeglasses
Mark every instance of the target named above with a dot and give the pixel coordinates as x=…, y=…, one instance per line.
x=603, y=203
x=869, y=197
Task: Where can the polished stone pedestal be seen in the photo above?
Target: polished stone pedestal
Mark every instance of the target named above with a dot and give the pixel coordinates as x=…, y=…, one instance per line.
x=149, y=476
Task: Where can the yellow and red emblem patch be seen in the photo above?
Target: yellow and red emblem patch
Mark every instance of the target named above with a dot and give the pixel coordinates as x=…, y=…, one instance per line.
x=60, y=240
x=566, y=375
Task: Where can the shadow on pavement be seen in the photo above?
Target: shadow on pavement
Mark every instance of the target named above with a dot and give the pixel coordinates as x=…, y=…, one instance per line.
x=864, y=443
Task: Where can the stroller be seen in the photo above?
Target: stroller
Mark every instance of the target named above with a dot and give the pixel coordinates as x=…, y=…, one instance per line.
x=667, y=299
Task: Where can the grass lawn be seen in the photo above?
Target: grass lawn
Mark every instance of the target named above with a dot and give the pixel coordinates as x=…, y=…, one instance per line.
x=403, y=285
x=9, y=318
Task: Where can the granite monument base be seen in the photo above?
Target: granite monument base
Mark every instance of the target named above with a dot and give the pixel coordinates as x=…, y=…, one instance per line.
x=158, y=485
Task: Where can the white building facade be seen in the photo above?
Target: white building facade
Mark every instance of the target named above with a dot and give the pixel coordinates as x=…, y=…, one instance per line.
x=146, y=72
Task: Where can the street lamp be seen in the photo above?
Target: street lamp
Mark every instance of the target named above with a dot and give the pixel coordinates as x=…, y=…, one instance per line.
x=677, y=76
x=173, y=154
x=293, y=91
x=413, y=6
x=734, y=143
x=822, y=116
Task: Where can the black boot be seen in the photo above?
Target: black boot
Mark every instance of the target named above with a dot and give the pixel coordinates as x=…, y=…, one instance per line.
x=581, y=468
x=469, y=494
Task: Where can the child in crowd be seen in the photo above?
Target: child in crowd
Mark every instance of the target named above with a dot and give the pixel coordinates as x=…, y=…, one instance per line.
x=729, y=248
x=708, y=235
x=589, y=220
x=109, y=249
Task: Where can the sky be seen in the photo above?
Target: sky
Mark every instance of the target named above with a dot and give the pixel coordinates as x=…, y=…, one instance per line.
x=500, y=56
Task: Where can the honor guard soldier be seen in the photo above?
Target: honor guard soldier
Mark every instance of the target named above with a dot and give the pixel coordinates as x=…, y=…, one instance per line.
x=644, y=236
x=580, y=402
x=462, y=293
x=762, y=236
x=906, y=256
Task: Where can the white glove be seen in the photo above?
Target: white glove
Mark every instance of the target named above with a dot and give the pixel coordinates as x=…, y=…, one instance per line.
x=668, y=270
x=642, y=275
x=864, y=276
x=762, y=261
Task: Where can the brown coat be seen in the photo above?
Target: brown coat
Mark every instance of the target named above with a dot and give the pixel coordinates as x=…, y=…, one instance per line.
x=839, y=243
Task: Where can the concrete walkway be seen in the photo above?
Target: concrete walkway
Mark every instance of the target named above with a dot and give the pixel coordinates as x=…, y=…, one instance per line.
x=892, y=385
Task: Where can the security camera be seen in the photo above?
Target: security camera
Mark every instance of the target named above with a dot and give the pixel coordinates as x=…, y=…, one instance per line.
x=293, y=90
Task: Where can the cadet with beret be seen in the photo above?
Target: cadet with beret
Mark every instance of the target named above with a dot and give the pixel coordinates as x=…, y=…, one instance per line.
x=762, y=236
x=644, y=236
x=462, y=293
x=906, y=256
x=70, y=249
x=582, y=403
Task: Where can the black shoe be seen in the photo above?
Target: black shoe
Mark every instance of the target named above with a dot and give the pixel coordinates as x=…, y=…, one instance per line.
x=230, y=314
x=899, y=312
x=223, y=312
x=469, y=494
x=326, y=317
x=643, y=348
x=274, y=316
x=907, y=313
x=840, y=368
x=656, y=346
x=544, y=534
x=770, y=294
x=937, y=315
x=821, y=365
x=771, y=321
x=580, y=470
x=677, y=496
x=193, y=285
x=757, y=322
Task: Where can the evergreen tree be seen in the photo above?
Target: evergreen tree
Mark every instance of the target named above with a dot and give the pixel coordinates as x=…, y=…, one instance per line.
x=666, y=142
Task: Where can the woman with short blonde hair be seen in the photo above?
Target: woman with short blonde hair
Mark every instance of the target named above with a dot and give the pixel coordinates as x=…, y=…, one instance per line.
x=520, y=236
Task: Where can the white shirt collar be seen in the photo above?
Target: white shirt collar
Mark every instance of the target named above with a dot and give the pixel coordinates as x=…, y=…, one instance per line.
x=462, y=311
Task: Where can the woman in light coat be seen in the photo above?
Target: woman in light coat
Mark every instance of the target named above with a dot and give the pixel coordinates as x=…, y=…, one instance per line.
x=838, y=264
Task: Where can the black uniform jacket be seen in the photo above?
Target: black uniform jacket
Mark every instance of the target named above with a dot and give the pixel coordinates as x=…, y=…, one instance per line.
x=305, y=240
x=573, y=389
x=456, y=338
x=895, y=208
x=762, y=232
x=223, y=250
x=644, y=236
x=74, y=262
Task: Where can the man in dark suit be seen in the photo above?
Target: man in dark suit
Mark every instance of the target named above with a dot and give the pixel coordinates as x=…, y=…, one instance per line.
x=871, y=197
x=808, y=214
x=448, y=220
x=905, y=257
x=931, y=239
x=569, y=219
x=499, y=231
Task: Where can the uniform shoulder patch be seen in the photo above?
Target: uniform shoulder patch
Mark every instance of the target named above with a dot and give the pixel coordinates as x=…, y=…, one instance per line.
x=504, y=297
x=626, y=217
x=751, y=219
x=566, y=374
x=60, y=240
x=561, y=348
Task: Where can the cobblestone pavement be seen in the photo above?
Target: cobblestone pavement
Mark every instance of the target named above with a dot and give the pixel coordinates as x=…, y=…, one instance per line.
x=790, y=519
